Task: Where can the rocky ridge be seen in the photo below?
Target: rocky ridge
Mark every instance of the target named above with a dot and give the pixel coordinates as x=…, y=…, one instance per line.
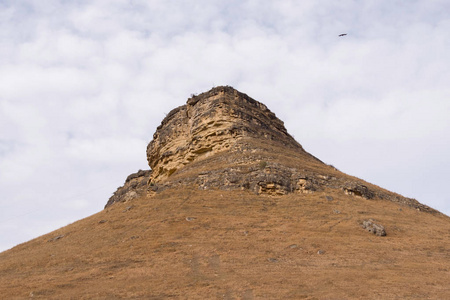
x=223, y=139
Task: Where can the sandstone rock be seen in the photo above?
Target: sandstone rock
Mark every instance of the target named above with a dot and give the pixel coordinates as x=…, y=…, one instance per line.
x=223, y=139
x=209, y=123
x=135, y=185
x=359, y=190
x=374, y=228
x=305, y=186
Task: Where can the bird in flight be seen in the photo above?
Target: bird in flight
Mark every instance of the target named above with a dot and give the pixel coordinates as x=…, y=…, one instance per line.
x=343, y=34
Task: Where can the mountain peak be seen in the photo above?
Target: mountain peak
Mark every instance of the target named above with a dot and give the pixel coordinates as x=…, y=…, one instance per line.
x=210, y=123
x=235, y=208
x=223, y=139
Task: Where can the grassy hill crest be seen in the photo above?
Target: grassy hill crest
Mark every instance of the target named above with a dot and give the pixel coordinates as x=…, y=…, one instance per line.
x=234, y=208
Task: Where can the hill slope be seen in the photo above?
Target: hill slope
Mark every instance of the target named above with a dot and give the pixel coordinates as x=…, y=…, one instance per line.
x=236, y=209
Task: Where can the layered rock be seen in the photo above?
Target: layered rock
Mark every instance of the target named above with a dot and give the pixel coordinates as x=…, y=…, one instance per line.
x=209, y=123
x=223, y=139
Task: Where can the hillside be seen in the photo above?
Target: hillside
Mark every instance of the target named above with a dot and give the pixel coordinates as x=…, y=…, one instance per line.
x=234, y=208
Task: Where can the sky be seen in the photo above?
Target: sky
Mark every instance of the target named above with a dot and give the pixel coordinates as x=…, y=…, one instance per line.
x=84, y=84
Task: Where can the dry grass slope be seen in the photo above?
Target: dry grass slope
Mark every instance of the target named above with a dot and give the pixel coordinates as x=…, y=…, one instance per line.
x=190, y=244
x=250, y=217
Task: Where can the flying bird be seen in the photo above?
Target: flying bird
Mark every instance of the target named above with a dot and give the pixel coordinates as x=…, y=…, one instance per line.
x=343, y=34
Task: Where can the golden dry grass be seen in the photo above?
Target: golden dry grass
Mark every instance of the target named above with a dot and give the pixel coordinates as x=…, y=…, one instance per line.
x=186, y=243
x=191, y=244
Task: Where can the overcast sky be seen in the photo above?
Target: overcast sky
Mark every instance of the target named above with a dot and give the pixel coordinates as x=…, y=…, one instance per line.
x=84, y=84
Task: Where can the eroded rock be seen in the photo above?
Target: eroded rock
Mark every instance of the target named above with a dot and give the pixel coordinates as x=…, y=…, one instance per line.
x=135, y=186
x=359, y=190
x=374, y=228
x=210, y=123
x=223, y=139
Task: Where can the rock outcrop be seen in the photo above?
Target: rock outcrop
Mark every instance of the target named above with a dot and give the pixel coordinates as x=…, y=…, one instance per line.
x=210, y=123
x=223, y=139
x=135, y=186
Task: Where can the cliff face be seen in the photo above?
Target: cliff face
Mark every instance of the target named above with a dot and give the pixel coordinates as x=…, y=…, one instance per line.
x=223, y=139
x=210, y=123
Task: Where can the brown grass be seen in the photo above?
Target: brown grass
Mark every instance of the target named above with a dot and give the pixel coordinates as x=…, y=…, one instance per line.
x=190, y=244
x=187, y=243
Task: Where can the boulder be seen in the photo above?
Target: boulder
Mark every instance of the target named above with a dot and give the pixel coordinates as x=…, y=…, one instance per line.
x=374, y=228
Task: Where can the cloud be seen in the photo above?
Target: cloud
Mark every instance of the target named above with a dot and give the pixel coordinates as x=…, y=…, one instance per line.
x=84, y=84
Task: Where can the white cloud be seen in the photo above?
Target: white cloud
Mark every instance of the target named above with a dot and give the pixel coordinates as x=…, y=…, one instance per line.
x=83, y=85
x=105, y=150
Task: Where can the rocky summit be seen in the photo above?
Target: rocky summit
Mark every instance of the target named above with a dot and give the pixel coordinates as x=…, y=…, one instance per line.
x=232, y=207
x=223, y=139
